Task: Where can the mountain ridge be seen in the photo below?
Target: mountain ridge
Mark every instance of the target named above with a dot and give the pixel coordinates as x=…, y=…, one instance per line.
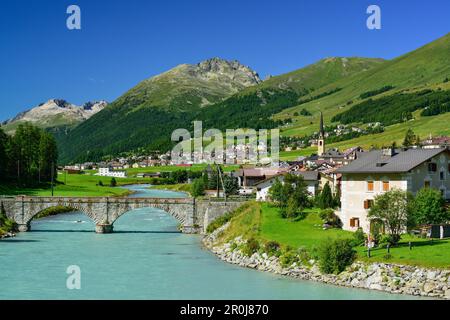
x=54, y=113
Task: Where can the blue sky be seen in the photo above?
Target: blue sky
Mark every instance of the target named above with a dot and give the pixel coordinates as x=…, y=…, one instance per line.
x=124, y=42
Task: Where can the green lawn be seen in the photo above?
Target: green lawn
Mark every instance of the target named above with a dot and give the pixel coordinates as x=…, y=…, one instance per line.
x=85, y=185
x=424, y=252
x=77, y=185
x=304, y=233
x=195, y=167
x=263, y=221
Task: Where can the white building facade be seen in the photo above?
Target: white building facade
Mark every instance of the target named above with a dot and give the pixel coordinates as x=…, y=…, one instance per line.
x=107, y=172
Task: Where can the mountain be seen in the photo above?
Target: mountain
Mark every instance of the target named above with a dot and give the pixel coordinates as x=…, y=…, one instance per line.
x=254, y=106
x=322, y=73
x=146, y=115
x=55, y=113
x=423, y=68
x=226, y=94
x=188, y=87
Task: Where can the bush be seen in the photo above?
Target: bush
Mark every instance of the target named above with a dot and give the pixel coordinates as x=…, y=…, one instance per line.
x=359, y=237
x=303, y=254
x=53, y=211
x=336, y=255
x=113, y=182
x=288, y=257
x=329, y=217
x=250, y=247
x=429, y=208
x=198, y=188
x=388, y=239
x=272, y=247
x=219, y=222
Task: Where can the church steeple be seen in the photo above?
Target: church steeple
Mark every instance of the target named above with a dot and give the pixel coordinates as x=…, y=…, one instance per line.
x=321, y=129
x=321, y=140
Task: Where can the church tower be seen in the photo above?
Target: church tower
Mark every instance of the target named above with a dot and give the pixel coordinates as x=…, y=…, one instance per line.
x=321, y=140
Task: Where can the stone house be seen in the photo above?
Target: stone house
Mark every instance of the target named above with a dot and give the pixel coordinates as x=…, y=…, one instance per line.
x=378, y=171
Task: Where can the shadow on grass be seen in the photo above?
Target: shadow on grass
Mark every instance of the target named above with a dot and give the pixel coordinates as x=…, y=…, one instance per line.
x=414, y=244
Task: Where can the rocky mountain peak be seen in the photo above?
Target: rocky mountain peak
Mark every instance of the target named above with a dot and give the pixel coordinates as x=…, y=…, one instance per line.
x=233, y=69
x=56, y=112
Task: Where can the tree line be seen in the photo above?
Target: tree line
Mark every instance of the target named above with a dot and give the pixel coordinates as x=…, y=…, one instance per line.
x=397, y=107
x=28, y=157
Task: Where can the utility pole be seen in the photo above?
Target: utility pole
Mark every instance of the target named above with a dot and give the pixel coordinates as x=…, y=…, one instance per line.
x=217, y=182
x=53, y=175
x=219, y=172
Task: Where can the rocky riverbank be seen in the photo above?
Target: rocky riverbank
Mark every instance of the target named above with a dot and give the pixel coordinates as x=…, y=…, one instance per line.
x=391, y=278
x=7, y=235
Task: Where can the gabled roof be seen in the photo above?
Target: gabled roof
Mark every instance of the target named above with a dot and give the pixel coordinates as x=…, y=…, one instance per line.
x=307, y=176
x=401, y=161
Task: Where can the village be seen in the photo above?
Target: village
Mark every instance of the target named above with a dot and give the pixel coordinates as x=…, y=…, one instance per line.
x=355, y=176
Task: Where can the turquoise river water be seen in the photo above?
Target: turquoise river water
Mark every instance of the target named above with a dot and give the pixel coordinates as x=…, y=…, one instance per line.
x=145, y=258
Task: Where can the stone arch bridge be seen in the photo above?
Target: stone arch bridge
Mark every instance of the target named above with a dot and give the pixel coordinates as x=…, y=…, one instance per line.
x=194, y=216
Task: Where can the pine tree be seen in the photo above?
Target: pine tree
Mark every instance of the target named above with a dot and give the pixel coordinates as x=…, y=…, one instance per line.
x=3, y=155
x=326, y=197
x=410, y=138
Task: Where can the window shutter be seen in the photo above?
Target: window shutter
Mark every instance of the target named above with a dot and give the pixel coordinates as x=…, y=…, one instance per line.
x=366, y=204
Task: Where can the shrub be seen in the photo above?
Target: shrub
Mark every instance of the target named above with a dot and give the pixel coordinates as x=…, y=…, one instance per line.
x=272, y=247
x=217, y=223
x=100, y=183
x=429, y=208
x=388, y=239
x=329, y=217
x=52, y=211
x=113, y=182
x=250, y=247
x=336, y=255
x=359, y=237
x=303, y=254
x=288, y=257
x=198, y=188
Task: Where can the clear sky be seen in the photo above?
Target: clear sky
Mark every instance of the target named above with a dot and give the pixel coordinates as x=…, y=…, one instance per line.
x=123, y=42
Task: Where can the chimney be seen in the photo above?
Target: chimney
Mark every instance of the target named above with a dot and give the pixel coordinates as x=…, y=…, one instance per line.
x=388, y=152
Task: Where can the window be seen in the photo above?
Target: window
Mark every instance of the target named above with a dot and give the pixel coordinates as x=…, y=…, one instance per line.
x=427, y=184
x=449, y=167
x=369, y=185
x=368, y=204
x=385, y=185
x=442, y=175
x=432, y=167
x=354, y=222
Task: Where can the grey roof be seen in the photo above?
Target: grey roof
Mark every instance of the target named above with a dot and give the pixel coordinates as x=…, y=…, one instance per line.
x=332, y=153
x=308, y=175
x=402, y=161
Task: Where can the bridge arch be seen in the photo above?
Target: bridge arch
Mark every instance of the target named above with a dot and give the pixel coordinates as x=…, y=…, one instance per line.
x=36, y=208
x=168, y=210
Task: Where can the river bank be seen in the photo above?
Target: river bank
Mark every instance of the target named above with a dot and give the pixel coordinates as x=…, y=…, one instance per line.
x=7, y=235
x=391, y=278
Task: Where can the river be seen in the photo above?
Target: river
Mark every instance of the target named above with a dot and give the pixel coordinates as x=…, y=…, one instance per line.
x=145, y=258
